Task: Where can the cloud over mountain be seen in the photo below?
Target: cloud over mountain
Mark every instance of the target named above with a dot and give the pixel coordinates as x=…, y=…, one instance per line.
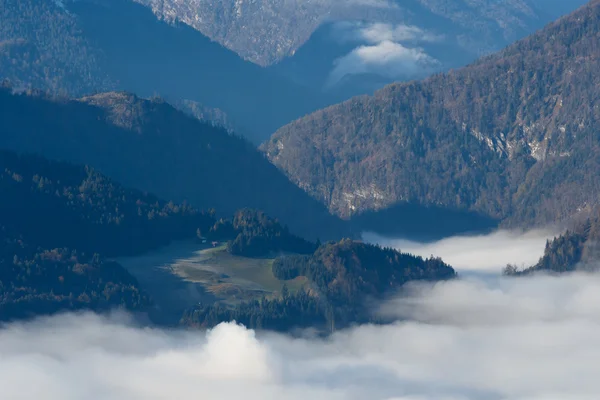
x=390, y=50
x=388, y=59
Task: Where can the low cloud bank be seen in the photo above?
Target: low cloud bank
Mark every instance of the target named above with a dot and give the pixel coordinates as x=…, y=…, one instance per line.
x=483, y=253
x=518, y=339
x=367, y=3
x=391, y=51
x=389, y=59
x=377, y=32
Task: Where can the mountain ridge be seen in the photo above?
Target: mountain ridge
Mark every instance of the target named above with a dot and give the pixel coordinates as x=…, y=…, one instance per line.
x=262, y=31
x=345, y=48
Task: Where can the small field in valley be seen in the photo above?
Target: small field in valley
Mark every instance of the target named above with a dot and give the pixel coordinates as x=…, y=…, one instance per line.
x=193, y=273
x=230, y=278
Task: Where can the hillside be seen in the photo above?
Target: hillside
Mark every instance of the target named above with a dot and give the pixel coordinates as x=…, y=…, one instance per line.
x=149, y=145
x=576, y=249
x=342, y=277
x=37, y=281
x=512, y=136
x=79, y=48
x=51, y=204
x=57, y=223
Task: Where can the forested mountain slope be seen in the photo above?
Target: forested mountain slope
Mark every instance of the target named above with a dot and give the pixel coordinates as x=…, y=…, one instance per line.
x=55, y=204
x=57, y=223
x=42, y=46
x=149, y=145
x=513, y=136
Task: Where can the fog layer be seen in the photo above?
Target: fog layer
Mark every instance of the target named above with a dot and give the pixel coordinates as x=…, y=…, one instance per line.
x=521, y=338
x=481, y=253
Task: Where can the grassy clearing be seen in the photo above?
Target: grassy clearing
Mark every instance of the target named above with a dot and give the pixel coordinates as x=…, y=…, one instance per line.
x=231, y=278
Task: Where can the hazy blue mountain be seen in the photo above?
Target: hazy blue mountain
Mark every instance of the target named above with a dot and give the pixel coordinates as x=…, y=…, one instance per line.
x=82, y=47
x=318, y=43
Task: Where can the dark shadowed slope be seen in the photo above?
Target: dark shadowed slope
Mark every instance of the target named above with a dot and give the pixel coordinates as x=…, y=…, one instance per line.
x=58, y=220
x=513, y=136
x=151, y=146
x=54, y=204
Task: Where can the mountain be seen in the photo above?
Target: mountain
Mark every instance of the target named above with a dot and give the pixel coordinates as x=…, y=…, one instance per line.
x=82, y=47
x=79, y=48
x=352, y=47
x=512, y=136
x=262, y=31
x=149, y=145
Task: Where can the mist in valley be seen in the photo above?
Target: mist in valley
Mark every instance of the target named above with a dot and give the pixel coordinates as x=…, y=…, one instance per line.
x=470, y=338
x=476, y=254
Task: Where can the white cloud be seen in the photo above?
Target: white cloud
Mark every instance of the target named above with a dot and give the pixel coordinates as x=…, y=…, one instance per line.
x=379, y=32
x=388, y=59
x=518, y=339
x=481, y=253
x=389, y=50
x=500, y=301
